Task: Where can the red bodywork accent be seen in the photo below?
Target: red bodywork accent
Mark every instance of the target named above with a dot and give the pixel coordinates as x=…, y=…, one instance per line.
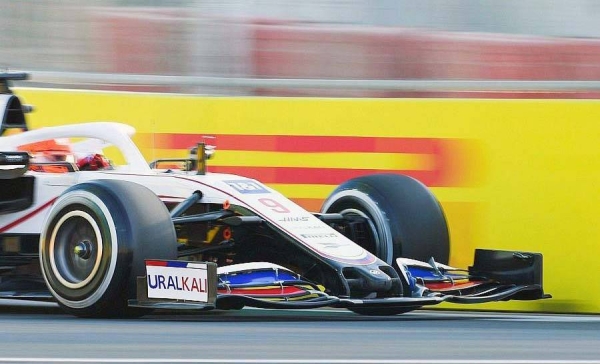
x=275, y=291
x=156, y=263
x=453, y=286
x=26, y=217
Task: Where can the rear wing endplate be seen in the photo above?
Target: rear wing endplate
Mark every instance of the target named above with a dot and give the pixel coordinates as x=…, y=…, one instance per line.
x=13, y=164
x=12, y=112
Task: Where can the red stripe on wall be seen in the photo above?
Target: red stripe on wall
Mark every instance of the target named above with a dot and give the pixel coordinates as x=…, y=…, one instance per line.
x=309, y=204
x=326, y=176
x=295, y=143
x=449, y=160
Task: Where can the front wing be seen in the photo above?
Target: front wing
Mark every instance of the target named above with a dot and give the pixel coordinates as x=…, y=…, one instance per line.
x=495, y=276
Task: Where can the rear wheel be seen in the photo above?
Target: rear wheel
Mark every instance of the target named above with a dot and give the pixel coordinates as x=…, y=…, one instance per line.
x=96, y=238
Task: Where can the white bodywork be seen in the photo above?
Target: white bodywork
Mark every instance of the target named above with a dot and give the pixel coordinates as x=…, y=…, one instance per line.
x=265, y=202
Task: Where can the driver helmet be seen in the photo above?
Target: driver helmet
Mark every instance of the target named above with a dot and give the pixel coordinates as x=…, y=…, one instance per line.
x=93, y=162
x=49, y=151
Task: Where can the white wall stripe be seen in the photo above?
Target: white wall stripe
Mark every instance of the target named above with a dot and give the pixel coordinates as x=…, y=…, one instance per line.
x=291, y=361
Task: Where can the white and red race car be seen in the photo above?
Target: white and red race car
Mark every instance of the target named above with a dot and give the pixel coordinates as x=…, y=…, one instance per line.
x=119, y=240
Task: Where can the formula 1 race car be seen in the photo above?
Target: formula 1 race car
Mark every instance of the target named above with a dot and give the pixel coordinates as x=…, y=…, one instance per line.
x=105, y=240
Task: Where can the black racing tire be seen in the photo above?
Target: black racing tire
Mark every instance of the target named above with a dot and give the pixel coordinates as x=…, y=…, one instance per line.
x=405, y=220
x=94, y=242
x=405, y=217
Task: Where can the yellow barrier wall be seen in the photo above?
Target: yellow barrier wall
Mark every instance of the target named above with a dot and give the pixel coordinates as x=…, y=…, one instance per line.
x=511, y=174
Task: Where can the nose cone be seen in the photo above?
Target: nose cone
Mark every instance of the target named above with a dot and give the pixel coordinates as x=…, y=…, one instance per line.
x=368, y=279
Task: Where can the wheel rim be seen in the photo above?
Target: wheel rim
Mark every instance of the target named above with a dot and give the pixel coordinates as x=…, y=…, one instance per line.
x=370, y=225
x=75, y=249
x=361, y=204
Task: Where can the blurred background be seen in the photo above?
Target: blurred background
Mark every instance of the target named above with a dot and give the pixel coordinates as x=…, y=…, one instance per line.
x=223, y=43
x=510, y=174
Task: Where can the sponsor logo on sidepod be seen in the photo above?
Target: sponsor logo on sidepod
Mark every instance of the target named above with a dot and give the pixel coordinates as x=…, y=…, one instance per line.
x=246, y=186
x=294, y=219
x=319, y=236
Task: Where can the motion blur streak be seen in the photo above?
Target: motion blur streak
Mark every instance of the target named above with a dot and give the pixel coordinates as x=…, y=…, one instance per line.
x=328, y=39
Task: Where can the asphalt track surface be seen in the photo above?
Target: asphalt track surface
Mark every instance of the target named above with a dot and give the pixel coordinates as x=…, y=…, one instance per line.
x=42, y=333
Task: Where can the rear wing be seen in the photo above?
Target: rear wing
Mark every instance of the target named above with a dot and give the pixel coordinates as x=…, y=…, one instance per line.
x=13, y=164
x=12, y=112
x=6, y=77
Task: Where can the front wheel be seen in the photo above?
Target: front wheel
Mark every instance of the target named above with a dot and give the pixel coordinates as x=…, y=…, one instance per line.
x=94, y=243
x=403, y=218
x=397, y=216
